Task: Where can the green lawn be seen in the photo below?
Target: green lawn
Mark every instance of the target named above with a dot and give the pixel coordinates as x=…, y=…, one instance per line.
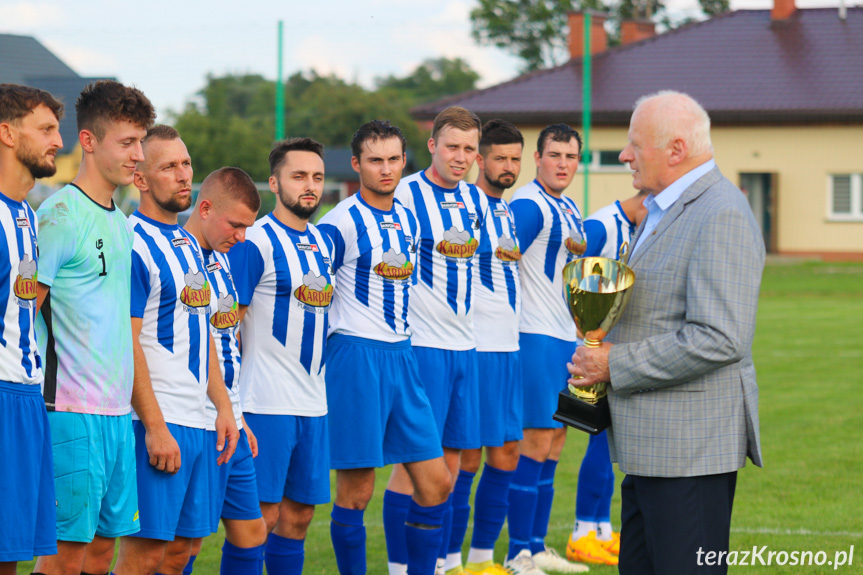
x=809, y=356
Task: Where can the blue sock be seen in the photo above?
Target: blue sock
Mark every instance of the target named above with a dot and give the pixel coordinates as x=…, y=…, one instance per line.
x=595, y=482
x=187, y=570
x=544, y=499
x=490, y=505
x=447, y=528
x=284, y=556
x=522, y=504
x=349, y=540
x=396, y=506
x=240, y=560
x=424, y=535
x=460, y=510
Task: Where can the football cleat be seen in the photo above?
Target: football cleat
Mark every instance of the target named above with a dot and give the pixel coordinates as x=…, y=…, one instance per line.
x=522, y=564
x=550, y=560
x=589, y=549
x=486, y=568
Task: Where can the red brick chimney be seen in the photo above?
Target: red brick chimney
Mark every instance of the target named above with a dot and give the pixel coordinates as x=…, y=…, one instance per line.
x=783, y=9
x=598, y=37
x=636, y=30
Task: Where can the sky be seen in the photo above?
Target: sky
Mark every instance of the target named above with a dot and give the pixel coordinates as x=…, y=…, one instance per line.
x=167, y=48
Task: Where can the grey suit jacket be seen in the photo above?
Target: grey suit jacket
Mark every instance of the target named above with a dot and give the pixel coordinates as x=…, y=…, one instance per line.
x=683, y=396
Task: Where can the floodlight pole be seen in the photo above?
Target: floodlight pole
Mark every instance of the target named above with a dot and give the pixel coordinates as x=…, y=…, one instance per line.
x=280, y=93
x=585, y=111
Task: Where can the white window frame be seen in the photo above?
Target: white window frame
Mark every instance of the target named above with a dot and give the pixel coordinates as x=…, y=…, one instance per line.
x=856, y=214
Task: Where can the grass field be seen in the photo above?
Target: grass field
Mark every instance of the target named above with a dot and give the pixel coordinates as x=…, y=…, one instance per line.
x=809, y=356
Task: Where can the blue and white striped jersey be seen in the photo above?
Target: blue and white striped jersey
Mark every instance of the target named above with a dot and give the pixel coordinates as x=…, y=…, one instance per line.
x=171, y=292
x=550, y=235
x=19, y=357
x=374, y=258
x=286, y=279
x=497, y=299
x=450, y=225
x=224, y=323
x=606, y=232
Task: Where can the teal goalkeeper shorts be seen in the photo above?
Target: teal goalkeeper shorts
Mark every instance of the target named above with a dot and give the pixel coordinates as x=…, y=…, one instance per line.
x=94, y=475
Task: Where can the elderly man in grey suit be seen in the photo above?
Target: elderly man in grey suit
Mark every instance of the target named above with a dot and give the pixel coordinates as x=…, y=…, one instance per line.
x=683, y=397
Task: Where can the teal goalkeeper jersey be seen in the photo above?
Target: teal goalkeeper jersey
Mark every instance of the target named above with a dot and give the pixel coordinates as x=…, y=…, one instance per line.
x=84, y=330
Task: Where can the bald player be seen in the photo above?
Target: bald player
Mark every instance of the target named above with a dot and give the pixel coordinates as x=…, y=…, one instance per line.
x=176, y=367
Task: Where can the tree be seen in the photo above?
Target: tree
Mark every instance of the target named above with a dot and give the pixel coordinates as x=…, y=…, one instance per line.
x=714, y=7
x=231, y=120
x=231, y=125
x=537, y=30
x=433, y=79
x=638, y=9
x=532, y=29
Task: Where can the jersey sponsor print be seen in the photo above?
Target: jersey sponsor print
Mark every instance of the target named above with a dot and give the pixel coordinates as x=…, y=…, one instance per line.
x=450, y=229
x=498, y=292
x=550, y=235
x=20, y=361
x=224, y=324
x=374, y=261
x=171, y=293
x=286, y=278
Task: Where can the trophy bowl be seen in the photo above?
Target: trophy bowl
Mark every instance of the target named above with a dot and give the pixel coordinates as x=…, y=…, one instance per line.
x=597, y=291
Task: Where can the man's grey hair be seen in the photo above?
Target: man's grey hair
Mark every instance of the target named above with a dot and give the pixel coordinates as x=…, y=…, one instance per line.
x=692, y=125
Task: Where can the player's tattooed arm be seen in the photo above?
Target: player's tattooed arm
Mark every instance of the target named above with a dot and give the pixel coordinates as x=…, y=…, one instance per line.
x=226, y=427
x=162, y=448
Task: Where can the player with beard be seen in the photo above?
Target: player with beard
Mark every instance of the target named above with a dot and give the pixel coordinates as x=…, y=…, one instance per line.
x=497, y=304
x=227, y=204
x=176, y=367
x=372, y=374
x=86, y=257
x=29, y=140
x=284, y=279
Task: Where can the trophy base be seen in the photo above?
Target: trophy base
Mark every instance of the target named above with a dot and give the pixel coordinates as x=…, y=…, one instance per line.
x=590, y=417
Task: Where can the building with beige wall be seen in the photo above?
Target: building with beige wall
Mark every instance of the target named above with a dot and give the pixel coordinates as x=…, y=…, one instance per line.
x=783, y=87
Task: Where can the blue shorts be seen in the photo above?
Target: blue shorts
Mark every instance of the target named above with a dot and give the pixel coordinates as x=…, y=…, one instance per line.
x=378, y=410
x=293, y=458
x=547, y=357
x=28, y=516
x=233, y=487
x=500, y=398
x=451, y=383
x=94, y=475
x=174, y=505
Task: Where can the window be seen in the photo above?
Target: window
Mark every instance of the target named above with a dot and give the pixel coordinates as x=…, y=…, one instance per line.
x=604, y=161
x=846, y=197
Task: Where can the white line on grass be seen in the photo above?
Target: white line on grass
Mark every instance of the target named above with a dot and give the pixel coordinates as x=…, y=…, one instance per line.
x=774, y=531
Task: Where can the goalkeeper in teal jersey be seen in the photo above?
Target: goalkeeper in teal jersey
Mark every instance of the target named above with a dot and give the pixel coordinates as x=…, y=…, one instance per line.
x=85, y=336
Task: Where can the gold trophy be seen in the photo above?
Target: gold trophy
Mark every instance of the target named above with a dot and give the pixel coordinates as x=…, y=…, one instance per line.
x=597, y=291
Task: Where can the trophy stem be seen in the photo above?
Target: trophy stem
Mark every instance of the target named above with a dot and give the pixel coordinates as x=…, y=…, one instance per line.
x=591, y=394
